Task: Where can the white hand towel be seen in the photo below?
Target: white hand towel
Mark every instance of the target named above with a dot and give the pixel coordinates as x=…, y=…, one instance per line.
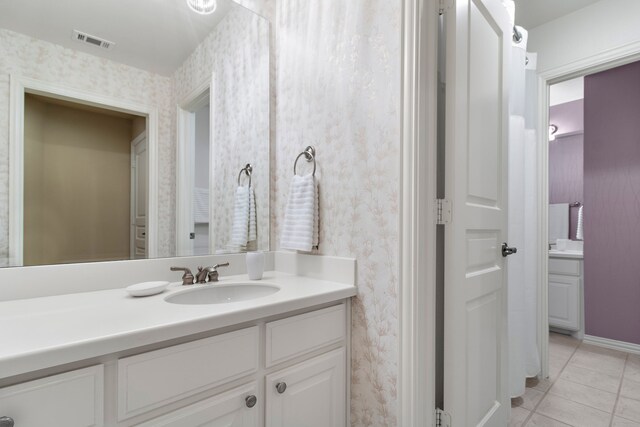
x=253, y=228
x=300, y=230
x=241, y=211
x=580, y=231
x=201, y=205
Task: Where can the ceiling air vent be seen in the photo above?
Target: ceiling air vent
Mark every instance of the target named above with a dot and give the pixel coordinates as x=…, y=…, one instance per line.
x=92, y=40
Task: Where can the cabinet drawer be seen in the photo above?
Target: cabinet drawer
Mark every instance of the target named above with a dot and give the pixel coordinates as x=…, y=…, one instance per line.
x=229, y=409
x=564, y=302
x=569, y=267
x=72, y=399
x=151, y=380
x=298, y=335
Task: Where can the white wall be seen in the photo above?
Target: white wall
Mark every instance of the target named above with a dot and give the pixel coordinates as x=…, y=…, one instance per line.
x=604, y=25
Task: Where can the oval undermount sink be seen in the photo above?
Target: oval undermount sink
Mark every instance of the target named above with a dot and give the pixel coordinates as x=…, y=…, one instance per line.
x=222, y=294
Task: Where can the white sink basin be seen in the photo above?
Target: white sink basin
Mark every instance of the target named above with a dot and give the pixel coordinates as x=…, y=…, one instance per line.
x=222, y=294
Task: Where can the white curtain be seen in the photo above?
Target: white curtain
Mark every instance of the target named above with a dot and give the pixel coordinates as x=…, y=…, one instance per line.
x=522, y=269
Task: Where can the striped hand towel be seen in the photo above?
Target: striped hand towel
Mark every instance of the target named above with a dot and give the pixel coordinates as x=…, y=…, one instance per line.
x=300, y=228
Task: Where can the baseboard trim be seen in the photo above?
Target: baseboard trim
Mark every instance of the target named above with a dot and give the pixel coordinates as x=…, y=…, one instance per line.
x=612, y=344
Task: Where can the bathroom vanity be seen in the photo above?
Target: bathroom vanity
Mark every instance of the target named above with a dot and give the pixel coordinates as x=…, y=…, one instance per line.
x=104, y=358
x=566, y=295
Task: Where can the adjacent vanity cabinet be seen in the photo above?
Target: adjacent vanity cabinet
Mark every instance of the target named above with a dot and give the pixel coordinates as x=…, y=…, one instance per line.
x=278, y=372
x=565, y=293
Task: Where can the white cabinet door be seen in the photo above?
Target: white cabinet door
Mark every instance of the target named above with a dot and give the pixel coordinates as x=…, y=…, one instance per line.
x=72, y=399
x=309, y=394
x=231, y=409
x=564, y=302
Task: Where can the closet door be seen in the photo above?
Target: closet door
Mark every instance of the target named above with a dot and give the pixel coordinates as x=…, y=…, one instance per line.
x=478, y=42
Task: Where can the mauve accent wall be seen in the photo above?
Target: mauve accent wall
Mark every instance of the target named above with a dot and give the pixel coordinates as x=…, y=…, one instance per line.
x=612, y=204
x=566, y=158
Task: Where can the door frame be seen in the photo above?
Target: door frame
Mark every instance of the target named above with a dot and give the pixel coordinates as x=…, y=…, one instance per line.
x=602, y=61
x=134, y=195
x=21, y=85
x=197, y=98
x=417, y=290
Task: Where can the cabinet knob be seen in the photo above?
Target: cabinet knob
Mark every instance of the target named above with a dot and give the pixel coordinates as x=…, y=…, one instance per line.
x=251, y=401
x=6, y=422
x=281, y=387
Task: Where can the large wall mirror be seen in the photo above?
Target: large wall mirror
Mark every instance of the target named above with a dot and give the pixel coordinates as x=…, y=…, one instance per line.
x=132, y=130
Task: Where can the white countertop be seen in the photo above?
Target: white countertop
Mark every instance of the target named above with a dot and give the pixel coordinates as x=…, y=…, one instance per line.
x=553, y=253
x=40, y=333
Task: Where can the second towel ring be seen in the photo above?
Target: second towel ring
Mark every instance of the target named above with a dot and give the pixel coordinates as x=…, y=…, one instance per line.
x=309, y=154
x=248, y=169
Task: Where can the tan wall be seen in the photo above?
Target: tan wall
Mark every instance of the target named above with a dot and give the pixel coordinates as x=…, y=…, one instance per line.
x=77, y=184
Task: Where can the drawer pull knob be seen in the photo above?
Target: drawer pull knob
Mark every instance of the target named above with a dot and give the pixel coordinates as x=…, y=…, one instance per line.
x=6, y=422
x=251, y=401
x=281, y=387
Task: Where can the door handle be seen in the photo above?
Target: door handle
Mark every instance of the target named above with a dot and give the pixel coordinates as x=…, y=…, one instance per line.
x=506, y=250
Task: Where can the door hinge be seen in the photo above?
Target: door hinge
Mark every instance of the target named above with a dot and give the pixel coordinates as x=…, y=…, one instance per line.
x=444, y=6
x=442, y=418
x=443, y=211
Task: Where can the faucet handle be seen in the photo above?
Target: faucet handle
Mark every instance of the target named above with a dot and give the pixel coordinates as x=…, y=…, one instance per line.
x=225, y=264
x=213, y=271
x=187, y=277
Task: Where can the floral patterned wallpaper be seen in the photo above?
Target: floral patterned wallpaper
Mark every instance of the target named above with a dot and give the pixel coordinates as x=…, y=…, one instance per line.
x=338, y=89
x=236, y=53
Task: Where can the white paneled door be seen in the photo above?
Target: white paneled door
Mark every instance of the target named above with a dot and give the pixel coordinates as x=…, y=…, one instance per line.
x=478, y=42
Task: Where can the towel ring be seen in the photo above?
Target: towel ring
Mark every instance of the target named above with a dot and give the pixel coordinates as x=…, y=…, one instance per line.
x=309, y=154
x=248, y=169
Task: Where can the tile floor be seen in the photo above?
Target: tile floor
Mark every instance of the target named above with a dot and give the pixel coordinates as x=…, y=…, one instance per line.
x=588, y=386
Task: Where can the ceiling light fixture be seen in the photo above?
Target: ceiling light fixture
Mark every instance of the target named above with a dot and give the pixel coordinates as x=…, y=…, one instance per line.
x=203, y=7
x=553, y=129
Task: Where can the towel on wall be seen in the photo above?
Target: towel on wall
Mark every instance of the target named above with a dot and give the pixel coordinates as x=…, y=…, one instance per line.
x=580, y=230
x=300, y=229
x=201, y=205
x=244, y=227
x=558, y=222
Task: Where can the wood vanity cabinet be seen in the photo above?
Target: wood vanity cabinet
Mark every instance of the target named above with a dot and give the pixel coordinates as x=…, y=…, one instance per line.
x=286, y=372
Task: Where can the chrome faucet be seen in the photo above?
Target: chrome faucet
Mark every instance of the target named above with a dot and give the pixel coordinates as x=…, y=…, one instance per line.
x=209, y=272
x=187, y=277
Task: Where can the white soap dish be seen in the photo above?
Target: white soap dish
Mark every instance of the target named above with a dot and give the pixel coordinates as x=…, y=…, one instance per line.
x=146, y=289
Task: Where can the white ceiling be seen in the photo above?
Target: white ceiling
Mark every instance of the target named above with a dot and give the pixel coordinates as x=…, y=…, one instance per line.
x=567, y=91
x=155, y=35
x=531, y=13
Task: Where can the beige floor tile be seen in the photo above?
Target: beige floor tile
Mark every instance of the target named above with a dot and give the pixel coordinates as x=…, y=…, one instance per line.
x=531, y=398
x=599, y=399
x=591, y=378
x=621, y=422
x=555, y=368
x=632, y=370
x=539, y=384
x=603, y=351
x=563, y=339
x=600, y=362
x=538, y=420
x=628, y=408
x=518, y=417
x=630, y=389
x=572, y=413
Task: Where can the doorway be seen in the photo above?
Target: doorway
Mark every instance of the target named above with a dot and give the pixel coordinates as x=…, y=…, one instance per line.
x=76, y=182
x=194, y=235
